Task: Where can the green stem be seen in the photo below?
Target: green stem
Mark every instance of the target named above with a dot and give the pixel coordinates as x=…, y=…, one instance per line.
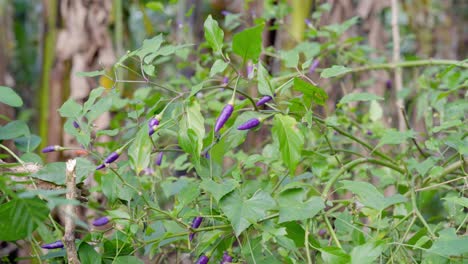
x=331, y=231
x=12, y=154
x=416, y=209
x=236, y=91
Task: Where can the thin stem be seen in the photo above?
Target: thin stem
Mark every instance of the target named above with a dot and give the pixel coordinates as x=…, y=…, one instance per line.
x=416, y=209
x=12, y=154
x=396, y=58
x=237, y=91
x=306, y=242
x=331, y=231
x=405, y=116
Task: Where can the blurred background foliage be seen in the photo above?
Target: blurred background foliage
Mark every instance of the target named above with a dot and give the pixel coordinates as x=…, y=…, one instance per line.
x=44, y=43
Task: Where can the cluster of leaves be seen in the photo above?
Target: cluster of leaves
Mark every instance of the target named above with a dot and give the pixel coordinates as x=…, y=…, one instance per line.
x=283, y=198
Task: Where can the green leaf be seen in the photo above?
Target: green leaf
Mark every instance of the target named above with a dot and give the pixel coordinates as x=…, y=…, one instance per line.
x=10, y=97
x=292, y=206
x=370, y=196
x=192, y=129
x=365, y=254
x=290, y=140
x=88, y=255
x=248, y=43
x=218, y=66
x=90, y=74
x=101, y=106
x=148, y=50
x=334, y=71
x=155, y=6
x=242, y=213
x=127, y=260
x=463, y=201
x=214, y=35
x=334, y=255
x=449, y=244
x=14, y=129
x=353, y=97
x=140, y=150
x=263, y=78
x=27, y=144
x=84, y=168
x=20, y=217
x=291, y=58
x=52, y=172
x=93, y=95
x=70, y=109
x=219, y=190
x=393, y=137
x=317, y=94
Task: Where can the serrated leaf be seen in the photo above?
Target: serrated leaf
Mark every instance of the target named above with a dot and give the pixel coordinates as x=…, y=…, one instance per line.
x=353, y=97
x=218, y=66
x=369, y=195
x=317, y=94
x=214, y=35
x=293, y=206
x=20, y=217
x=263, y=78
x=10, y=97
x=219, y=190
x=334, y=71
x=70, y=109
x=140, y=150
x=290, y=140
x=243, y=212
x=248, y=43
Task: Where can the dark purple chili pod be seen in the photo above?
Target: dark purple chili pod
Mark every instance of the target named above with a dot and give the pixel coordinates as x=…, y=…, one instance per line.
x=152, y=124
x=102, y=166
x=112, y=157
x=322, y=232
x=226, y=258
x=195, y=224
x=249, y=124
x=159, y=158
x=76, y=125
x=314, y=66
x=308, y=22
x=224, y=116
x=101, y=221
x=202, y=260
x=56, y=244
x=51, y=149
x=388, y=84
x=225, y=13
x=369, y=133
x=265, y=99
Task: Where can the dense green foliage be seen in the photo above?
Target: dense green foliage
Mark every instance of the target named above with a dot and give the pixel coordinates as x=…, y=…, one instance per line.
x=309, y=187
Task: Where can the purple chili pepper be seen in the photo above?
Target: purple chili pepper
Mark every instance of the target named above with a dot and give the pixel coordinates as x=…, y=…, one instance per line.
x=225, y=81
x=225, y=13
x=308, y=22
x=111, y=158
x=249, y=124
x=195, y=224
x=101, y=221
x=56, y=244
x=265, y=99
x=388, y=84
x=224, y=116
x=369, y=133
x=159, y=158
x=202, y=260
x=51, y=149
x=76, y=125
x=226, y=258
x=102, y=166
x=322, y=232
x=314, y=66
x=152, y=124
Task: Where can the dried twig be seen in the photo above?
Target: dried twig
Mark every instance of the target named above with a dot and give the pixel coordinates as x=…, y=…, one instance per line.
x=70, y=213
